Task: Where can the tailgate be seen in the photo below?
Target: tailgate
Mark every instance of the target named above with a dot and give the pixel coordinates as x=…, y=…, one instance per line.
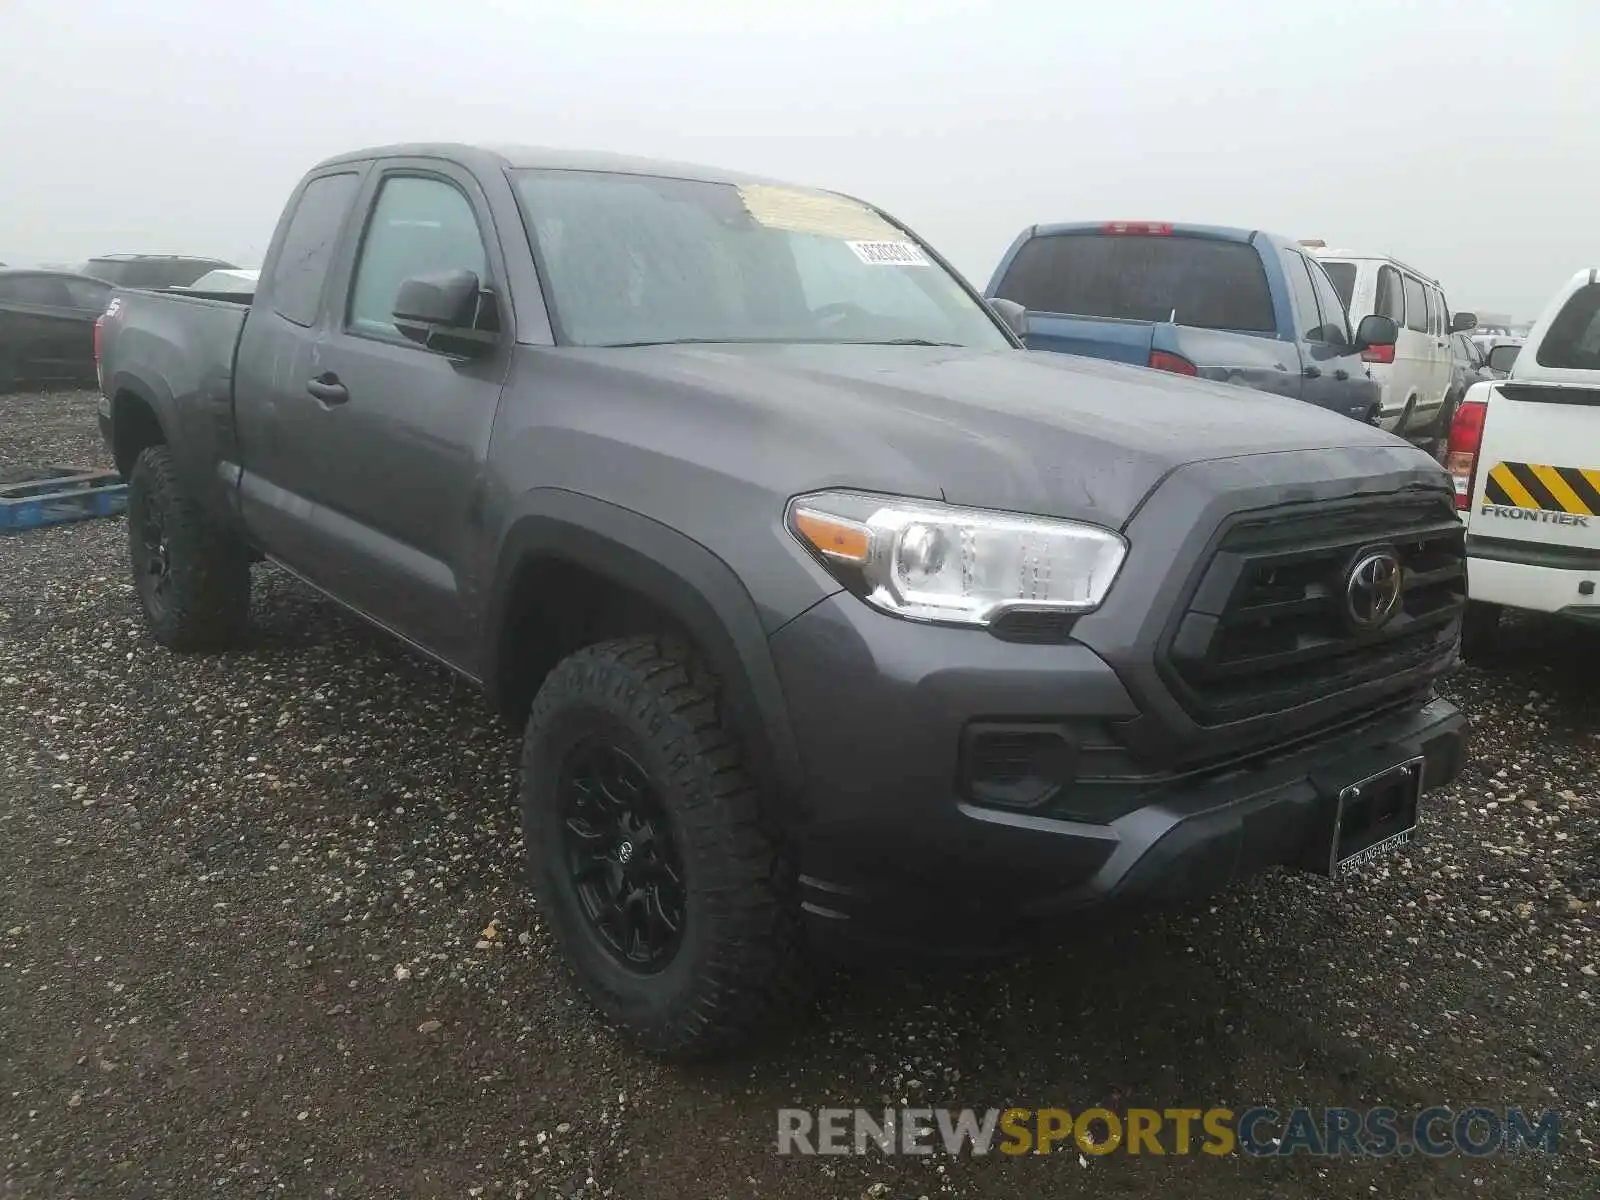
x=1538, y=477
x=1094, y=337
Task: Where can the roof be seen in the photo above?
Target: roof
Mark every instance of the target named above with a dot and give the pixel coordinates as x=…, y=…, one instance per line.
x=501, y=157
x=1370, y=256
x=8, y=272
x=136, y=255
x=1221, y=233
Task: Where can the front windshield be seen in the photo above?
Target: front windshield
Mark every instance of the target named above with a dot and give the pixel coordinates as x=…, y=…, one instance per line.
x=642, y=259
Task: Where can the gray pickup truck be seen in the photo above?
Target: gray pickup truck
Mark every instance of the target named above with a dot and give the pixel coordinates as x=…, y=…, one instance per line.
x=828, y=612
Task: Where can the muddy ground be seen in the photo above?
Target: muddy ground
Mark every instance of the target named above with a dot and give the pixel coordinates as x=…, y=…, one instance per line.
x=243, y=902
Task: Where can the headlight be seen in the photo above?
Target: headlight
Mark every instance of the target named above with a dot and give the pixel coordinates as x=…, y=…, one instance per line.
x=937, y=562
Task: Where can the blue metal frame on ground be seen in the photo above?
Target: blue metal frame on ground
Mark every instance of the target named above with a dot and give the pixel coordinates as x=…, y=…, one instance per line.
x=35, y=496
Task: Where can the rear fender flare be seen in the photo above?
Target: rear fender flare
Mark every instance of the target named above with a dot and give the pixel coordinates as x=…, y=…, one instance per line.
x=121, y=386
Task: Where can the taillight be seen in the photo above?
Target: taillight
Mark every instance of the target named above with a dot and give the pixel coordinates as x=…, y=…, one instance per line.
x=1461, y=454
x=1176, y=363
x=99, y=373
x=1378, y=354
x=1138, y=228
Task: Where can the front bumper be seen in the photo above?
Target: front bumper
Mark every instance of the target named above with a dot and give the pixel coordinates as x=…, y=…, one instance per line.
x=893, y=848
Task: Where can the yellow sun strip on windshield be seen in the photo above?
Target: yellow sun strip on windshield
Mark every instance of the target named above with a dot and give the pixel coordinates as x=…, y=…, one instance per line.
x=816, y=213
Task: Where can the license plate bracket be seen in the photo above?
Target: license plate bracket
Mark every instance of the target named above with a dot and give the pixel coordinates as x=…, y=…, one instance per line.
x=1375, y=816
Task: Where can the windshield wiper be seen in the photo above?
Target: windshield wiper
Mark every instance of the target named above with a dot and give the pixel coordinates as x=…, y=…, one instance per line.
x=699, y=341
x=748, y=341
x=894, y=342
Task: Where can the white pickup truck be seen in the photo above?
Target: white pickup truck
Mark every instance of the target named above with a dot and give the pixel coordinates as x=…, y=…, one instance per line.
x=1525, y=454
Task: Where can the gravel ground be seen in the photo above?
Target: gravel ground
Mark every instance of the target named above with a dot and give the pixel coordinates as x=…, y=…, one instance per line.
x=262, y=933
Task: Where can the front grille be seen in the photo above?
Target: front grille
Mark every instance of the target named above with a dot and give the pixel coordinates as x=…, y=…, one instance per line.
x=1265, y=627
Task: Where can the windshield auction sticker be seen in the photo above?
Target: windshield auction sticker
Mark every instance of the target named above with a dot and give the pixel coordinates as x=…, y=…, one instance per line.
x=817, y=213
x=890, y=254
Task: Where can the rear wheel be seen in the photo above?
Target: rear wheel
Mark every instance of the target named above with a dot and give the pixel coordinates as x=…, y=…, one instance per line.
x=1480, y=631
x=646, y=850
x=193, y=581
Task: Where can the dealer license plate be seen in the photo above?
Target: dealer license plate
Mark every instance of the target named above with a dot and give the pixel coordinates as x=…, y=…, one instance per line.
x=1376, y=816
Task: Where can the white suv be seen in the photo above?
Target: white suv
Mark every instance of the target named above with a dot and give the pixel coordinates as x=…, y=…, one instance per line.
x=1415, y=372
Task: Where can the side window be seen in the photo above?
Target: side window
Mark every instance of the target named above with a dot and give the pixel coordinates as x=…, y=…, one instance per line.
x=418, y=226
x=295, y=284
x=1389, y=300
x=1441, y=313
x=1335, y=327
x=1343, y=276
x=1307, y=321
x=1416, y=304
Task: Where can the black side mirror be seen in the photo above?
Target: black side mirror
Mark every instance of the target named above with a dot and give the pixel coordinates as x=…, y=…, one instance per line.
x=447, y=311
x=1462, y=322
x=1013, y=314
x=1503, y=356
x=1376, y=331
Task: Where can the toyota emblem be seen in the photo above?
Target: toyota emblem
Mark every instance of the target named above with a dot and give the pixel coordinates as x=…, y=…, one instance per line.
x=1372, y=589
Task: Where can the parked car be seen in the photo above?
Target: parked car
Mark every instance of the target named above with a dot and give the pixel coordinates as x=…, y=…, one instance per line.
x=152, y=269
x=1486, y=342
x=1525, y=455
x=827, y=612
x=1415, y=372
x=1234, y=305
x=228, y=281
x=1468, y=365
x=47, y=327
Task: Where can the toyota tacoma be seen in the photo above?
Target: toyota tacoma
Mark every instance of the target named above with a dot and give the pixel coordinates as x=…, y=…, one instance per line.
x=827, y=611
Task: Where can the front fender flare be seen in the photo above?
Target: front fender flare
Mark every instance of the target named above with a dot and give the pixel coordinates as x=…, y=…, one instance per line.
x=676, y=573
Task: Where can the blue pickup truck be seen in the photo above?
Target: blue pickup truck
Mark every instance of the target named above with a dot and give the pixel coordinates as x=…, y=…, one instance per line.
x=1235, y=305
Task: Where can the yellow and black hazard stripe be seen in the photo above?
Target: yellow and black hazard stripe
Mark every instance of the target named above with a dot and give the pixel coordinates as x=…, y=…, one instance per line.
x=1552, y=489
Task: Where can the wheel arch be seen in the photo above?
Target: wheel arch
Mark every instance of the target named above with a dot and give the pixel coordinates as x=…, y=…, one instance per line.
x=571, y=569
x=137, y=421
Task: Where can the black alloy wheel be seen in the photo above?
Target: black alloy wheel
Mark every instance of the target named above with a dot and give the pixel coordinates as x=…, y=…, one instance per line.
x=623, y=865
x=152, y=554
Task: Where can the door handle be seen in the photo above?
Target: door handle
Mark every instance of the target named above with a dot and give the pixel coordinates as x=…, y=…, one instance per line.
x=1341, y=374
x=1312, y=372
x=327, y=389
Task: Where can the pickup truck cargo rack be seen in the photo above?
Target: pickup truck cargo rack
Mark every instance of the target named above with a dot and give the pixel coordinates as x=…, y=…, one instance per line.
x=35, y=496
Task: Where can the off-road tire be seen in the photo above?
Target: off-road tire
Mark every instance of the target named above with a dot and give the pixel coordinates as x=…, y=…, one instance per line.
x=206, y=601
x=739, y=969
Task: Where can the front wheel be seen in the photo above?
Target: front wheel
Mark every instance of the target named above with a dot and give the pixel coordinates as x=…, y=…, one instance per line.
x=193, y=580
x=647, y=854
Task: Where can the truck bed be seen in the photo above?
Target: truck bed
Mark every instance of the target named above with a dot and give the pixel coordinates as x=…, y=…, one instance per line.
x=174, y=352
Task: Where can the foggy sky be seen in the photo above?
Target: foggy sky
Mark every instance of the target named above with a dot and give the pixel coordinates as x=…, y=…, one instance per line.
x=1461, y=137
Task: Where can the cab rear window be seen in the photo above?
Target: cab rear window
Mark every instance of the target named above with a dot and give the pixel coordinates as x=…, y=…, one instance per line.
x=1201, y=282
x=1573, y=340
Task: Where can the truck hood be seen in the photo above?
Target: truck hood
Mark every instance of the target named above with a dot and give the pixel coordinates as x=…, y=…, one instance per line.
x=1029, y=432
